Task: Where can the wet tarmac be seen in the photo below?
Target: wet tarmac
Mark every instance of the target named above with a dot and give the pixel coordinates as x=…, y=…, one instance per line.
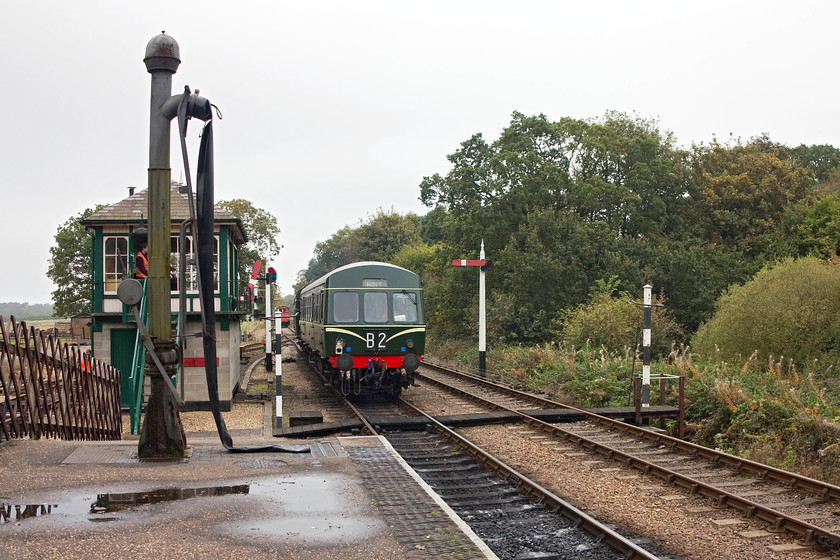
x=91, y=500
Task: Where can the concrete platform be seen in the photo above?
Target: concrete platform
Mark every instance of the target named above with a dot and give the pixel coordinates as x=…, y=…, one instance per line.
x=350, y=498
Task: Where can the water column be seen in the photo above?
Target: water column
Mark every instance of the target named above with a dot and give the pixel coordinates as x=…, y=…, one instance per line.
x=162, y=434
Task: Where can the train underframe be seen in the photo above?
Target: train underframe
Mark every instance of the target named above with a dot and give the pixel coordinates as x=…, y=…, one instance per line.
x=375, y=382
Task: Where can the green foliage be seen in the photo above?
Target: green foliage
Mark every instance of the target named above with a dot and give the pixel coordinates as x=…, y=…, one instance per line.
x=821, y=160
x=261, y=231
x=380, y=238
x=614, y=323
x=791, y=309
x=693, y=274
x=547, y=266
x=420, y=258
x=559, y=205
x=744, y=191
x=811, y=228
x=69, y=266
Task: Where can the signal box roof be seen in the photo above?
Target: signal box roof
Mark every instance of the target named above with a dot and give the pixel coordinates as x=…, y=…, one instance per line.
x=128, y=211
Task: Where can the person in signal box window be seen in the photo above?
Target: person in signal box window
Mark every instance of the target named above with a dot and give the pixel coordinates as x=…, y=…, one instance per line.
x=141, y=263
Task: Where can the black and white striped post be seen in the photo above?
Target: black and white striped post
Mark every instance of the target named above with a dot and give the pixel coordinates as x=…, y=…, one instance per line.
x=278, y=371
x=268, y=350
x=648, y=304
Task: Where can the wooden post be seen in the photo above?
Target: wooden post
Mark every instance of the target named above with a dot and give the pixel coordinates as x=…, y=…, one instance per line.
x=682, y=407
x=637, y=399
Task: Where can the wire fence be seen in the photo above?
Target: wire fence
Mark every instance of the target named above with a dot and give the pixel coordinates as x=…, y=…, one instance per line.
x=52, y=389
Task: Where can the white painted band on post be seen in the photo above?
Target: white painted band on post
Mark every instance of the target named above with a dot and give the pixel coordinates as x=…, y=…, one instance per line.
x=646, y=338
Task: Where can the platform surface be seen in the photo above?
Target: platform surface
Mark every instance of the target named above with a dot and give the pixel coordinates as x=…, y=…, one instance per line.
x=349, y=498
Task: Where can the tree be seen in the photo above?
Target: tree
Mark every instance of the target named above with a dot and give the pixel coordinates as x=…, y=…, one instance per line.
x=69, y=266
x=820, y=159
x=744, y=191
x=811, y=227
x=558, y=205
x=261, y=231
x=380, y=238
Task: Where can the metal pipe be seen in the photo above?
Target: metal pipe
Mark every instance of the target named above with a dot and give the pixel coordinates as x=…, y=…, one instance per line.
x=162, y=60
x=162, y=434
x=182, y=292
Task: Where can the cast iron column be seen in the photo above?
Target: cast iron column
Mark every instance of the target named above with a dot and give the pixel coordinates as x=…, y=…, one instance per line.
x=162, y=434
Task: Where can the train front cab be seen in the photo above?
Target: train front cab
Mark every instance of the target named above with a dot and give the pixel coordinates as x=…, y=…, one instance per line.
x=373, y=332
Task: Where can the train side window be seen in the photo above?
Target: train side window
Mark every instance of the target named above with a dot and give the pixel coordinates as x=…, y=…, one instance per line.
x=376, y=307
x=321, y=307
x=346, y=307
x=405, y=308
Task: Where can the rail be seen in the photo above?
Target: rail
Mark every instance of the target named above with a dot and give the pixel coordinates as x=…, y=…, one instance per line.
x=778, y=520
x=537, y=492
x=50, y=389
x=136, y=375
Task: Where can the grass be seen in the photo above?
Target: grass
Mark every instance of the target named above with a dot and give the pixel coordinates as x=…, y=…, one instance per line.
x=772, y=412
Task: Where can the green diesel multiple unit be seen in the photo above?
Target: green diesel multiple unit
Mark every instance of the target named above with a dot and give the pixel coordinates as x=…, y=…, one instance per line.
x=364, y=323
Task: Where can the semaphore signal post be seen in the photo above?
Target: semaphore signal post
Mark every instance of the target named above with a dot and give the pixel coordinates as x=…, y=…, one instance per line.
x=483, y=265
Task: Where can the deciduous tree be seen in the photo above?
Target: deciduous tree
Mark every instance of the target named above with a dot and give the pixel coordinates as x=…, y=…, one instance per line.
x=261, y=230
x=69, y=266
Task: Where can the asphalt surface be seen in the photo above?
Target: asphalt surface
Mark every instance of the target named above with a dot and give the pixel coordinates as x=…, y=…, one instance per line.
x=70, y=499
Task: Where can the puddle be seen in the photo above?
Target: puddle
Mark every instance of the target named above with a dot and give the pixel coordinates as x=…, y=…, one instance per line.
x=82, y=508
x=122, y=500
x=317, y=510
x=16, y=512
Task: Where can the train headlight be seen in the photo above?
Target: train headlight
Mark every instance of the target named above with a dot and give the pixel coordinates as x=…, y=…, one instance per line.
x=409, y=344
x=339, y=346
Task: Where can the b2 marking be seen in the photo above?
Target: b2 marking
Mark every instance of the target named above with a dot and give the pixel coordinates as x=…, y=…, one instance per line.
x=371, y=342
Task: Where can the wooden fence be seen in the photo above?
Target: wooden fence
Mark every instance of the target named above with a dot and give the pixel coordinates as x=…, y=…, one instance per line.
x=49, y=389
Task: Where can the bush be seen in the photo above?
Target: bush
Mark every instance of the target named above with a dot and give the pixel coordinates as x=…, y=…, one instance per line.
x=791, y=310
x=612, y=322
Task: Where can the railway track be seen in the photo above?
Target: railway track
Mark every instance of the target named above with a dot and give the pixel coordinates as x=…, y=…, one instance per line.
x=787, y=502
x=513, y=514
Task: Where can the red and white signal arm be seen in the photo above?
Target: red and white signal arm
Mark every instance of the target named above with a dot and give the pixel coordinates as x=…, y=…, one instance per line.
x=464, y=262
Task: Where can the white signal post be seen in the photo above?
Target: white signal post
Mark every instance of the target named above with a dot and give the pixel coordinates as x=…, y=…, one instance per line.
x=482, y=320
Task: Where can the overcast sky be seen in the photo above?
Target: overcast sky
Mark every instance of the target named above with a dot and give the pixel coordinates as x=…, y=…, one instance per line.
x=335, y=109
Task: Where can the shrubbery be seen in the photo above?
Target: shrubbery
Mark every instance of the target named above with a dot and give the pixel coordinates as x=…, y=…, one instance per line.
x=615, y=322
x=766, y=411
x=791, y=309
